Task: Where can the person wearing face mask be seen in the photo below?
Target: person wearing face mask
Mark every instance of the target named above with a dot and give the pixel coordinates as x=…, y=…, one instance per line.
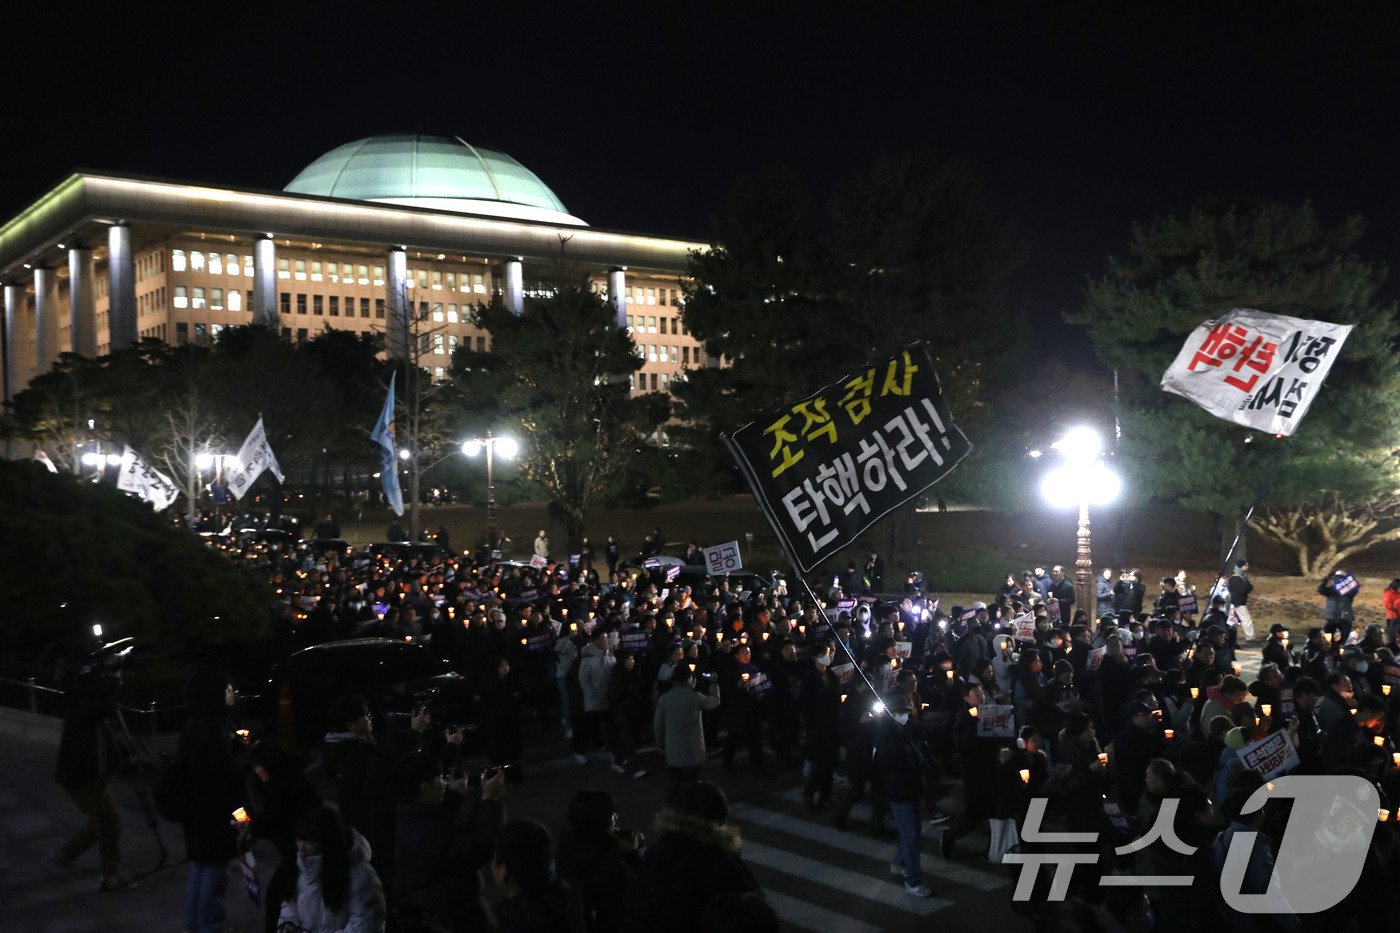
x=820, y=699
x=903, y=757
x=1276, y=649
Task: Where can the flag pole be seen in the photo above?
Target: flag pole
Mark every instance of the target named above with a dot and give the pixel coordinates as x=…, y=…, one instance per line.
x=1258, y=498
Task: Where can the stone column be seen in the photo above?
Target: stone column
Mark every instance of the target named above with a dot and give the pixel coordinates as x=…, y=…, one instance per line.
x=396, y=330
x=121, y=289
x=82, y=312
x=14, y=304
x=45, y=329
x=265, y=282
x=515, y=286
x=617, y=294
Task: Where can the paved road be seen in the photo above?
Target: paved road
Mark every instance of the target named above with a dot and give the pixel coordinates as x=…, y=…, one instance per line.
x=817, y=878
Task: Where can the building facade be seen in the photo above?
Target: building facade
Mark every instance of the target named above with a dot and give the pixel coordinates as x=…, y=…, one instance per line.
x=399, y=236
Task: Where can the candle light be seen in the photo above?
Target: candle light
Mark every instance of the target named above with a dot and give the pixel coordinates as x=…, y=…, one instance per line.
x=802, y=630
x=1385, y=688
x=1195, y=692
x=524, y=641
x=843, y=698
x=1379, y=740
x=1236, y=667
x=972, y=711
x=1396, y=758
x=950, y=674
x=1103, y=758
x=744, y=678
x=692, y=667
x=1025, y=776
x=1266, y=709
x=573, y=626
x=241, y=815
x=1383, y=814
x=894, y=663
x=1269, y=786
x=765, y=634
x=1169, y=733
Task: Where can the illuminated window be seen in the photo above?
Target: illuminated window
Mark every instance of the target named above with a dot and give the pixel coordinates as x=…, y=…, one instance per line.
x=362, y=274
x=629, y=294
x=216, y=299
x=333, y=273
x=177, y=261
x=197, y=298
x=452, y=314
x=347, y=273
x=664, y=357
x=230, y=263
x=315, y=270
x=464, y=283
x=301, y=303
x=182, y=297
x=196, y=261
x=216, y=264
x=437, y=315
x=335, y=306
x=285, y=301
x=439, y=345
x=248, y=266
x=316, y=305
x=439, y=373
x=632, y=381
x=651, y=296
x=451, y=281
x=378, y=276
x=284, y=268
x=651, y=353
x=651, y=325
x=675, y=355
x=422, y=278
x=300, y=274
x=478, y=283
x=451, y=342
x=663, y=380
x=235, y=300
x=437, y=280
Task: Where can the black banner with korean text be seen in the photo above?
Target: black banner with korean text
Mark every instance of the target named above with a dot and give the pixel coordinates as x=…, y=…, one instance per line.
x=830, y=466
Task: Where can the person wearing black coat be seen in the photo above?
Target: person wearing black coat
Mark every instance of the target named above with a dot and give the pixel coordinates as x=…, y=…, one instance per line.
x=599, y=860
x=214, y=789
x=1128, y=593
x=858, y=726
x=820, y=700
x=281, y=796
x=978, y=758
x=442, y=837
x=903, y=758
x=695, y=858
x=1276, y=648
x=87, y=755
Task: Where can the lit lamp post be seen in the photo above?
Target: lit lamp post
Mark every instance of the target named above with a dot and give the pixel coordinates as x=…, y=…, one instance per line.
x=1083, y=479
x=506, y=447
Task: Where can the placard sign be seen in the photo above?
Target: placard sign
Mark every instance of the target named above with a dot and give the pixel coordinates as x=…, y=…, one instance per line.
x=1096, y=658
x=1187, y=604
x=844, y=672
x=1025, y=627
x=902, y=649
x=723, y=558
x=996, y=722
x=635, y=640
x=1345, y=585
x=1270, y=756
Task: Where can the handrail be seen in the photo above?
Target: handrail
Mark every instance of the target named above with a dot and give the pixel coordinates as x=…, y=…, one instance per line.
x=33, y=691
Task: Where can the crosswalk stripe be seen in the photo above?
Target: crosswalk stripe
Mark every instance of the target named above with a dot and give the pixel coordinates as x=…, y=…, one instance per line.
x=796, y=911
x=872, y=848
x=842, y=879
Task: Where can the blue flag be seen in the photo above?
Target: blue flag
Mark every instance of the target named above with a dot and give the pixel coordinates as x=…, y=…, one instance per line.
x=389, y=457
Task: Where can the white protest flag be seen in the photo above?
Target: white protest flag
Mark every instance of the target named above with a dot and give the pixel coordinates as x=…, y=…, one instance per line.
x=1256, y=369
x=253, y=457
x=138, y=476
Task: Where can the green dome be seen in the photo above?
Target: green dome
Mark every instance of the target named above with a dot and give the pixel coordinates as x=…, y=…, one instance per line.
x=438, y=172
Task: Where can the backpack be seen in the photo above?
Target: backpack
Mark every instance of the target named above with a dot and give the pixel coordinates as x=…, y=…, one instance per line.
x=170, y=793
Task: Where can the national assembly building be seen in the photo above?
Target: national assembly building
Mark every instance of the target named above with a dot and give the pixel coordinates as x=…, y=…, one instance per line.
x=369, y=236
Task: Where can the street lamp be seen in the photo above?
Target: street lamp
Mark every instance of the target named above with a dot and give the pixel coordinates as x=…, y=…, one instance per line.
x=507, y=448
x=1083, y=479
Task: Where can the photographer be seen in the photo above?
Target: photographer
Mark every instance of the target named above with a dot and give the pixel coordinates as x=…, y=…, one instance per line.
x=679, y=732
x=87, y=755
x=440, y=851
x=599, y=860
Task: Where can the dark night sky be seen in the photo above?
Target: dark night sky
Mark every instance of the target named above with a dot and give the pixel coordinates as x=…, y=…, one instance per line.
x=1077, y=120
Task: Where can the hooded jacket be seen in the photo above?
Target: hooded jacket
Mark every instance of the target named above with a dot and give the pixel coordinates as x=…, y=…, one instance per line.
x=363, y=910
x=690, y=862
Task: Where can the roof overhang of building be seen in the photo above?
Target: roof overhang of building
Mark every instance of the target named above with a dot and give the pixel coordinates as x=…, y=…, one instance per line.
x=87, y=200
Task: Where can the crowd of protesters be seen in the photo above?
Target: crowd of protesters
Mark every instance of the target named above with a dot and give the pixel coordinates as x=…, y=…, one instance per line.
x=1111, y=715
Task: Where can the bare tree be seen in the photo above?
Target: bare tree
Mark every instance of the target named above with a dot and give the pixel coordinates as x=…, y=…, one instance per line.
x=1323, y=534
